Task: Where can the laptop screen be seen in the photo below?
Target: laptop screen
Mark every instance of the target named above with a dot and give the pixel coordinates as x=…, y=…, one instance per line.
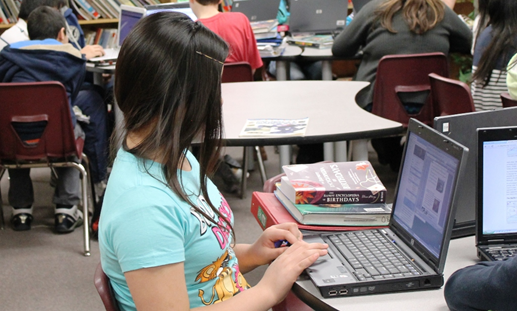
x=129, y=16
x=181, y=7
x=499, y=173
x=424, y=196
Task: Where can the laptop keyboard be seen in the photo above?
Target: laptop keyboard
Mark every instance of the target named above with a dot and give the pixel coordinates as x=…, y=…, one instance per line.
x=502, y=253
x=373, y=256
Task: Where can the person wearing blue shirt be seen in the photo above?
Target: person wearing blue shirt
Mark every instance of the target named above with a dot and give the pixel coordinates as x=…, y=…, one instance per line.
x=48, y=57
x=166, y=235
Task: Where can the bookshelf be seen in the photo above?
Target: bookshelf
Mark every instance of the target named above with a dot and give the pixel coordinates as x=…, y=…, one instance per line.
x=97, y=23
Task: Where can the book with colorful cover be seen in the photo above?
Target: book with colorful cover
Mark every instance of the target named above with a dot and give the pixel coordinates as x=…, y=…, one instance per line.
x=274, y=127
x=332, y=183
x=375, y=214
x=268, y=211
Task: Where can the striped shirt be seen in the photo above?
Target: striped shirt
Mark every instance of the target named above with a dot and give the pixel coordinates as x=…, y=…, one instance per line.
x=489, y=97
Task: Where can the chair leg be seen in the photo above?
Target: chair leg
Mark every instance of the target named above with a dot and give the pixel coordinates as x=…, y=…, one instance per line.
x=86, y=225
x=261, y=165
x=2, y=222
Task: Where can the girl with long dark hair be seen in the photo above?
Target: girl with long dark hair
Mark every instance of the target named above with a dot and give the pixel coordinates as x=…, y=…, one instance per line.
x=166, y=232
x=495, y=46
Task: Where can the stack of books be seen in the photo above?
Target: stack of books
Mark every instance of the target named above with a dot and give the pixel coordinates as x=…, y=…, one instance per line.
x=334, y=194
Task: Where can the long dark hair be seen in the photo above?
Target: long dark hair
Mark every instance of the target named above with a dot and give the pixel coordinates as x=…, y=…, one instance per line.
x=168, y=85
x=420, y=15
x=503, y=20
x=482, y=11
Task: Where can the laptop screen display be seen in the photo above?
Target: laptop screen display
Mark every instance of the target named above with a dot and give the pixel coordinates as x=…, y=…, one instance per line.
x=172, y=7
x=425, y=192
x=128, y=20
x=499, y=187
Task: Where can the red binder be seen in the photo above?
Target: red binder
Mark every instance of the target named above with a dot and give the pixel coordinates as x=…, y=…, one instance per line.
x=269, y=211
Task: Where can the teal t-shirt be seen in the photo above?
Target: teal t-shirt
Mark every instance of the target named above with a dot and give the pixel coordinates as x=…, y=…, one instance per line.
x=144, y=224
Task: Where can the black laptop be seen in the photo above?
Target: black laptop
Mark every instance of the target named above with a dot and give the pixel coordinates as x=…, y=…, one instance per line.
x=496, y=234
x=463, y=129
x=317, y=16
x=411, y=253
x=257, y=10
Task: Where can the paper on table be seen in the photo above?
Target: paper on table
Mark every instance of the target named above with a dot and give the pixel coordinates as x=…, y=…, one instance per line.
x=274, y=127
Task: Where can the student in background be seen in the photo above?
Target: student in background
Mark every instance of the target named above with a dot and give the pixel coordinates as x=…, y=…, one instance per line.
x=233, y=27
x=43, y=59
x=165, y=235
x=387, y=27
x=18, y=64
x=496, y=44
x=90, y=100
x=18, y=32
x=484, y=286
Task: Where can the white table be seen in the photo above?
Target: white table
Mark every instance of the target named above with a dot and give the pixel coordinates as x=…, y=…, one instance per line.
x=333, y=114
x=461, y=253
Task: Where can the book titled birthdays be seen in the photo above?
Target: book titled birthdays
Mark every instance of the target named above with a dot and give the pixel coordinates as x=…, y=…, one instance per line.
x=274, y=127
x=353, y=182
x=373, y=214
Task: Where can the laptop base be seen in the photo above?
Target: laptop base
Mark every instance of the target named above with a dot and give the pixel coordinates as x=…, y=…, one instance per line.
x=406, y=284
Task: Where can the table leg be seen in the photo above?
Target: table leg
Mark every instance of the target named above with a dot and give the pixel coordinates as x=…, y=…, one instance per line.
x=341, y=151
x=285, y=155
x=328, y=151
x=326, y=70
x=359, y=150
x=282, y=70
x=97, y=78
x=244, y=180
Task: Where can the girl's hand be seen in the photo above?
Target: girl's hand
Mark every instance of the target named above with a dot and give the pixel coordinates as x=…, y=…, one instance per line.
x=263, y=251
x=283, y=272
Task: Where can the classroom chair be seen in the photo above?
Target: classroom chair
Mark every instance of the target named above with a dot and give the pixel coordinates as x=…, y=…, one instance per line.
x=450, y=96
x=402, y=81
x=103, y=286
x=44, y=105
x=242, y=72
x=507, y=100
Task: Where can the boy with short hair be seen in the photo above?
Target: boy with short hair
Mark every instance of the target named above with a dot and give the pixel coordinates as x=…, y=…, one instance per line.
x=47, y=57
x=233, y=27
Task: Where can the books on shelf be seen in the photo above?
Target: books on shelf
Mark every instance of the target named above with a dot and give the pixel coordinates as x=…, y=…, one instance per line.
x=332, y=183
x=274, y=127
x=315, y=41
x=268, y=211
x=376, y=214
x=86, y=7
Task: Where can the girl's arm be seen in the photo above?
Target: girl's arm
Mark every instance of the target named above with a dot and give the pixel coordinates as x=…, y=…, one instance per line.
x=164, y=287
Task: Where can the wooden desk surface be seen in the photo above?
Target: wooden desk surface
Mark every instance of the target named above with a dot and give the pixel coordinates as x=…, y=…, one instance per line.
x=462, y=253
x=330, y=105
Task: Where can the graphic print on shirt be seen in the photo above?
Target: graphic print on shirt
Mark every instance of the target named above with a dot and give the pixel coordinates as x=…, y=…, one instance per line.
x=225, y=287
x=229, y=281
x=222, y=230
